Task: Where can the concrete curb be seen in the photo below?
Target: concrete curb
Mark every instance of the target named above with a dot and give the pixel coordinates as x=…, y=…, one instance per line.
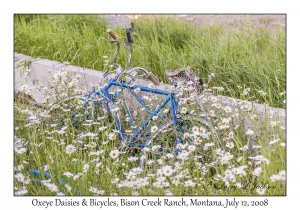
x=42, y=69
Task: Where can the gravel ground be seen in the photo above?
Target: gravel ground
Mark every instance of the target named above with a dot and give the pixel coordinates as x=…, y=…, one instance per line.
x=232, y=21
x=236, y=21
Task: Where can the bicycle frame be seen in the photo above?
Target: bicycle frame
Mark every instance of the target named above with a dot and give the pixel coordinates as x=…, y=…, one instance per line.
x=105, y=91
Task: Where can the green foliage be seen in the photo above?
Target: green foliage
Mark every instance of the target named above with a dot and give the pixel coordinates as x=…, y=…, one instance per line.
x=254, y=58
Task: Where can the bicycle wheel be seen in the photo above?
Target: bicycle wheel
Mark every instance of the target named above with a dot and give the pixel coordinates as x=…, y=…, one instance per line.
x=76, y=110
x=164, y=136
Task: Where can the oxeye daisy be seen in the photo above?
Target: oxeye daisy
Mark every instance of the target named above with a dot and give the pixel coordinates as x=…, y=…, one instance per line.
x=281, y=174
x=183, y=110
x=189, y=183
x=220, y=89
x=137, y=90
x=230, y=145
x=224, y=160
x=191, y=148
x=273, y=141
x=219, y=151
x=112, y=136
x=260, y=190
x=155, y=148
x=154, y=118
x=20, y=177
x=68, y=174
x=231, y=134
x=232, y=178
x=100, y=192
x=154, y=129
x=212, y=113
x=102, y=128
x=206, y=146
x=235, y=115
x=86, y=167
x=217, y=105
x=146, y=149
x=93, y=144
x=273, y=123
x=150, y=85
x=257, y=171
x=197, y=141
x=236, y=170
x=93, y=190
x=227, y=109
x=195, y=129
x=249, y=132
x=167, y=170
x=202, y=130
x=150, y=162
x=70, y=149
x=51, y=187
x=80, y=102
x=282, y=144
x=114, y=153
x=282, y=93
x=186, y=135
x=275, y=178
x=213, y=99
x=23, y=87
x=228, y=172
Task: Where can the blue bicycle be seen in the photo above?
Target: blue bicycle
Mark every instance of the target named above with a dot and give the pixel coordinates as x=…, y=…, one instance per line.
x=163, y=125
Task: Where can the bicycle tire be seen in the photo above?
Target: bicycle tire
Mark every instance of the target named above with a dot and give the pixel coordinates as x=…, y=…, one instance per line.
x=69, y=109
x=171, y=135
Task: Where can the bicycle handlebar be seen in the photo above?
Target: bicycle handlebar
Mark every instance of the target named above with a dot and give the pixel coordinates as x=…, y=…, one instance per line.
x=112, y=34
x=129, y=39
x=152, y=78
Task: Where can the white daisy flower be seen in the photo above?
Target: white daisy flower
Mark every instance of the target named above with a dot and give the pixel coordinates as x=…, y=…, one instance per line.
x=230, y=145
x=51, y=187
x=227, y=109
x=70, y=149
x=154, y=118
x=184, y=110
x=23, y=87
x=154, y=129
x=282, y=174
x=231, y=134
x=273, y=141
x=114, y=153
x=20, y=177
x=249, y=132
x=257, y=171
x=137, y=90
x=260, y=190
x=112, y=136
x=282, y=144
x=167, y=170
x=275, y=178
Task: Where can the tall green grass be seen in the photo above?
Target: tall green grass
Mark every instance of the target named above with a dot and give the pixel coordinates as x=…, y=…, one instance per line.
x=254, y=57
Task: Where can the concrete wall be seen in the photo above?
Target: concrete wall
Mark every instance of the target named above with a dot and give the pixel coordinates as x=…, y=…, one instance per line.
x=42, y=71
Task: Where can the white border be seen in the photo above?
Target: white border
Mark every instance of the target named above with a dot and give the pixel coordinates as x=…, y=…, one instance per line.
x=154, y=6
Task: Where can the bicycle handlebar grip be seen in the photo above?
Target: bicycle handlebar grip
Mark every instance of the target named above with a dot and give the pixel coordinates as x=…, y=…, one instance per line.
x=112, y=34
x=129, y=39
x=152, y=78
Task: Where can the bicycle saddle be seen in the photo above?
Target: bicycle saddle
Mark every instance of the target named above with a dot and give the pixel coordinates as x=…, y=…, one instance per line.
x=183, y=76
